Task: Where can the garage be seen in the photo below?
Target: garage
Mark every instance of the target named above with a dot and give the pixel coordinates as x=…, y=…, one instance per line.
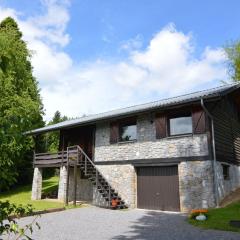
x=158, y=188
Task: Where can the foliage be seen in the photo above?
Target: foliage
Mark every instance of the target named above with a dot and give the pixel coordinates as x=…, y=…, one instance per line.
x=233, y=54
x=20, y=106
x=22, y=195
x=9, y=226
x=219, y=218
x=52, y=138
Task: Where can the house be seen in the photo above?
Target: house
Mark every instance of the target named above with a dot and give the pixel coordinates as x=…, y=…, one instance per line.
x=175, y=154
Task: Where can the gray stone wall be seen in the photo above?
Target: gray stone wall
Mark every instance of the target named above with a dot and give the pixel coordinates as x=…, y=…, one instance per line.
x=196, y=185
x=123, y=179
x=225, y=186
x=147, y=146
x=37, y=184
x=84, y=187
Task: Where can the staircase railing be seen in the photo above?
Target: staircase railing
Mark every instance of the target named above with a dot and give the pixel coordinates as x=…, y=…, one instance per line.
x=77, y=157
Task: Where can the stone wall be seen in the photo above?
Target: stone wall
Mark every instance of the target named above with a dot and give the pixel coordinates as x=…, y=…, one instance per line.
x=123, y=179
x=196, y=187
x=147, y=146
x=37, y=184
x=225, y=186
x=84, y=187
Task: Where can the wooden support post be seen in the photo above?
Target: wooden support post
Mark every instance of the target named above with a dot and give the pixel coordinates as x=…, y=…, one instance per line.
x=85, y=159
x=75, y=184
x=97, y=179
x=67, y=188
x=62, y=157
x=109, y=197
x=34, y=158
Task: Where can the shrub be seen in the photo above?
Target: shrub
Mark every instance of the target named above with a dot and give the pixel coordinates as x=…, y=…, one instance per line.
x=8, y=224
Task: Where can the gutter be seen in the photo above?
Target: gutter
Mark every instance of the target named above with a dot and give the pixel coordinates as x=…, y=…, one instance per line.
x=215, y=180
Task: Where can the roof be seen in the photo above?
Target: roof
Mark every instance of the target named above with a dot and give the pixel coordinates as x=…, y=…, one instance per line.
x=161, y=104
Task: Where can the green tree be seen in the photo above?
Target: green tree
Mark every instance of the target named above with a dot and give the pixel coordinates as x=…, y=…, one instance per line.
x=233, y=54
x=21, y=108
x=52, y=138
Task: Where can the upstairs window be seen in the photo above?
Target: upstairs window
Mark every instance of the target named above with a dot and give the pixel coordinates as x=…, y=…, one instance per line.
x=180, y=124
x=123, y=130
x=127, y=132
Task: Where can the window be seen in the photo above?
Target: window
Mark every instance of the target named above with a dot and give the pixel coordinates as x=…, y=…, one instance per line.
x=181, y=124
x=225, y=169
x=127, y=131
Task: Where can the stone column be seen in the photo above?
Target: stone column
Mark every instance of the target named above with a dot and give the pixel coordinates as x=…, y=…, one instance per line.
x=37, y=184
x=62, y=187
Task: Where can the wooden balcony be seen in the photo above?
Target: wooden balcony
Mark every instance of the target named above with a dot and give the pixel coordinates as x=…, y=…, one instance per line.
x=56, y=159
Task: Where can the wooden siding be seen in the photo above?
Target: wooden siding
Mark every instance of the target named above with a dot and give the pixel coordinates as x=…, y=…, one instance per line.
x=114, y=132
x=82, y=136
x=198, y=120
x=161, y=125
x=227, y=130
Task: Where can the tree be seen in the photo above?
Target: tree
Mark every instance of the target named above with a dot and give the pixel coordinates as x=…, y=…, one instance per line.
x=52, y=138
x=233, y=54
x=21, y=108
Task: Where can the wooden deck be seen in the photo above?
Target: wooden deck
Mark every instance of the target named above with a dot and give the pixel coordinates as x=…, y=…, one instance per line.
x=57, y=159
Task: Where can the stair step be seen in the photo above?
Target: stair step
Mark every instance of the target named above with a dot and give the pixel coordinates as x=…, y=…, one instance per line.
x=103, y=187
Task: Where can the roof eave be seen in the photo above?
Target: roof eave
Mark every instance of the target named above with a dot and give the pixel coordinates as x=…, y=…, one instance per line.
x=87, y=122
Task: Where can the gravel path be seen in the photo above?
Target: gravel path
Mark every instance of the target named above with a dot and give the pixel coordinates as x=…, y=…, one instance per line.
x=93, y=223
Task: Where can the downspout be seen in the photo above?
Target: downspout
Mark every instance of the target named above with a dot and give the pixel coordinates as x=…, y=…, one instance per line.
x=215, y=180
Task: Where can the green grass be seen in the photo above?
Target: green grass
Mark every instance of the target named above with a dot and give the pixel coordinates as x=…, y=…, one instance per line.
x=219, y=218
x=22, y=195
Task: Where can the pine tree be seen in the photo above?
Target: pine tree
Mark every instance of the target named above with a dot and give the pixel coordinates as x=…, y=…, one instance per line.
x=21, y=108
x=52, y=138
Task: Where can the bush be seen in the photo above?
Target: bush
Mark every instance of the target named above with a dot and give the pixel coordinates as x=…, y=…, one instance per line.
x=8, y=225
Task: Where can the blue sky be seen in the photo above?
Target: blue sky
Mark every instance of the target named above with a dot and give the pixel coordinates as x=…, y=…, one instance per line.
x=115, y=51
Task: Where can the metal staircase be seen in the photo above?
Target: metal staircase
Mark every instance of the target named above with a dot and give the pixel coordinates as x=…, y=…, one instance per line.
x=77, y=158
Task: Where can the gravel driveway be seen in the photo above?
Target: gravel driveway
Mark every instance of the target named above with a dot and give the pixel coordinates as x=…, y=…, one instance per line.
x=93, y=223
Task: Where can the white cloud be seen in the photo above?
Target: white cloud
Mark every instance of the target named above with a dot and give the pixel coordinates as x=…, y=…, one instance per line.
x=166, y=67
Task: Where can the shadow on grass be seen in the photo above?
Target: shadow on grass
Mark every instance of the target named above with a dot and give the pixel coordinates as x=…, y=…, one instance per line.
x=49, y=184
x=17, y=190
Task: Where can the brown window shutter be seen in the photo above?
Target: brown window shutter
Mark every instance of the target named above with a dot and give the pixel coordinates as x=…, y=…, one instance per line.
x=161, y=125
x=114, y=132
x=199, y=120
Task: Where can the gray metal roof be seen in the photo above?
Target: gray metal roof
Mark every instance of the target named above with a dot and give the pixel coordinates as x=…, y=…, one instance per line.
x=164, y=103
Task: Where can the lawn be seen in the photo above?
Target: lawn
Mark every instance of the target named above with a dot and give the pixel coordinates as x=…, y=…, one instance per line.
x=219, y=218
x=22, y=195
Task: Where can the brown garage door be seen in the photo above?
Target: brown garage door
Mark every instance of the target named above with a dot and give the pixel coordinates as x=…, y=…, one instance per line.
x=158, y=188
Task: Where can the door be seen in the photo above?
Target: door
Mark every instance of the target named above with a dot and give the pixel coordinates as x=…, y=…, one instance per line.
x=158, y=188
x=82, y=136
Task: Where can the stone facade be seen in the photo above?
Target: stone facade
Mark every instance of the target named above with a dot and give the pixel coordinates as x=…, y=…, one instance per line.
x=37, y=184
x=84, y=187
x=225, y=186
x=195, y=177
x=147, y=146
x=196, y=187
x=123, y=179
